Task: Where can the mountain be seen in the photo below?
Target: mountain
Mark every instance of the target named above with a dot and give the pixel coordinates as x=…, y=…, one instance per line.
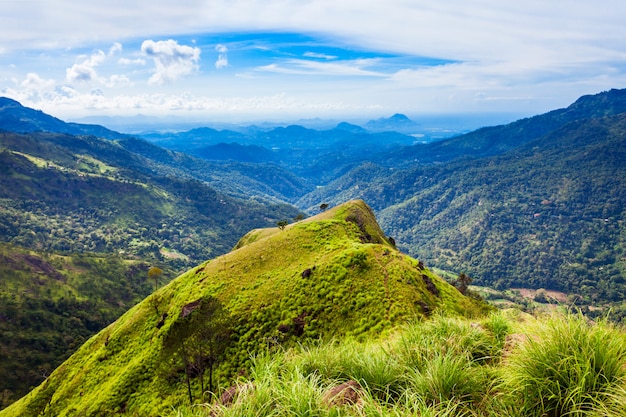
x=82, y=219
x=495, y=140
x=50, y=304
x=546, y=214
x=78, y=194
x=330, y=276
x=314, y=156
x=349, y=127
x=396, y=123
x=16, y=118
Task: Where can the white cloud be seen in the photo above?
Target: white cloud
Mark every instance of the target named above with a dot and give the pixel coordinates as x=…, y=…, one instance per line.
x=357, y=67
x=34, y=82
x=127, y=61
x=318, y=55
x=502, y=48
x=116, y=80
x=86, y=70
x=222, y=57
x=171, y=60
x=115, y=48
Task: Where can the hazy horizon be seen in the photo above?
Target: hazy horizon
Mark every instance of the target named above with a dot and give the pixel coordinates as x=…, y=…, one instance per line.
x=246, y=60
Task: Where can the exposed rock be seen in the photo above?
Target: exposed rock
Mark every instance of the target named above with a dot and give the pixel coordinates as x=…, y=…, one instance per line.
x=188, y=308
x=430, y=285
x=348, y=393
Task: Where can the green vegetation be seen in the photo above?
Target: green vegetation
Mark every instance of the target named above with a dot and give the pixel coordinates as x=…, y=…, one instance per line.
x=82, y=194
x=51, y=304
x=549, y=214
x=505, y=364
x=332, y=276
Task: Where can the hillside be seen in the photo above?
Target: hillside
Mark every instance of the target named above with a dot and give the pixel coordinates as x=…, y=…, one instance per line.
x=548, y=214
x=505, y=364
x=495, y=140
x=51, y=304
x=77, y=194
x=334, y=275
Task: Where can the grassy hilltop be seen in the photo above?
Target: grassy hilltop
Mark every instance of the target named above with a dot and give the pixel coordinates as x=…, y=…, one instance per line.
x=333, y=276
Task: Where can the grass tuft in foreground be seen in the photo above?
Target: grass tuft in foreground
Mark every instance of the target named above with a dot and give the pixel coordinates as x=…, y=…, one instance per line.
x=501, y=366
x=571, y=367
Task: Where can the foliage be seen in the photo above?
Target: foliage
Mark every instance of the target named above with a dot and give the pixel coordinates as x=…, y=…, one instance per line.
x=51, y=304
x=83, y=194
x=450, y=380
x=198, y=339
x=548, y=214
x=569, y=367
x=358, y=287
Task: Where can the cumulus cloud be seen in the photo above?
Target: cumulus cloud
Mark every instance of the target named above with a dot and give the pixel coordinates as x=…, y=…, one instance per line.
x=86, y=70
x=222, y=57
x=171, y=60
x=35, y=82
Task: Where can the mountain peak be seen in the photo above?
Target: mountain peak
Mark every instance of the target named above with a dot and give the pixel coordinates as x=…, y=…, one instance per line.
x=398, y=123
x=330, y=276
x=9, y=102
x=349, y=127
x=399, y=117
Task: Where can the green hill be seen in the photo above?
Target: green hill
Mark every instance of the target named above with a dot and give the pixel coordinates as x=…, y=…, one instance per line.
x=50, y=304
x=547, y=214
x=85, y=194
x=335, y=275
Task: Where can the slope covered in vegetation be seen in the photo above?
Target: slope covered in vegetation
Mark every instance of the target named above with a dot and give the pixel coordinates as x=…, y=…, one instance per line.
x=84, y=194
x=548, y=214
x=504, y=365
x=50, y=304
x=334, y=275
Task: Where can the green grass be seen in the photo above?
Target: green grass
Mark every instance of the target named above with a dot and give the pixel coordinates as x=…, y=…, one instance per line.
x=569, y=367
x=562, y=365
x=359, y=289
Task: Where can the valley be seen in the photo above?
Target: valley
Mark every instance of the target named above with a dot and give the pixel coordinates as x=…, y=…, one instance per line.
x=533, y=211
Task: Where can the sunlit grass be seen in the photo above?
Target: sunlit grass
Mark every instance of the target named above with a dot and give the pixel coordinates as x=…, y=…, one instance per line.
x=437, y=368
x=569, y=366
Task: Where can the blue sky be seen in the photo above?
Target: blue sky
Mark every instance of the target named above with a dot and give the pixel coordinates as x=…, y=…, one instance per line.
x=240, y=60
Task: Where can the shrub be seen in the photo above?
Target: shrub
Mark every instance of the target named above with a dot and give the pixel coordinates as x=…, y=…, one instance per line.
x=569, y=367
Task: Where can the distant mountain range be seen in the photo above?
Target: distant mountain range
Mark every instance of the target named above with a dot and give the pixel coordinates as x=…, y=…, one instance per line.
x=306, y=167
x=536, y=203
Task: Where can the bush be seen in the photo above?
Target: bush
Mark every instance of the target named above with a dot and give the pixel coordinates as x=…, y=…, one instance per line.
x=568, y=367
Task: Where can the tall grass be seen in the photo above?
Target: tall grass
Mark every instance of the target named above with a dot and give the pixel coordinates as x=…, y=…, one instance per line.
x=447, y=367
x=569, y=366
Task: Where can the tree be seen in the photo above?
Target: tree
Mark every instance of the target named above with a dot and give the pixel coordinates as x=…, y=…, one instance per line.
x=462, y=283
x=154, y=273
x=323, y=206
x=197, y=341
x=282, y=224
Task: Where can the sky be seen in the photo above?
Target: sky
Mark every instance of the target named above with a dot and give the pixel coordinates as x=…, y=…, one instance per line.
x=238, y=60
